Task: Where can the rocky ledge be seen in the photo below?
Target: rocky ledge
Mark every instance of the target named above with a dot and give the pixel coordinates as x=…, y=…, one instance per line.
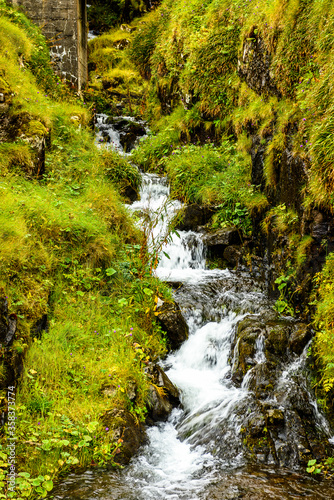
x=278, y=427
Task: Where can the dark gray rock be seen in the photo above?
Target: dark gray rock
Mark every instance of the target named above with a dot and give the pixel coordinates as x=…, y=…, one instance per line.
x=222, y=238
x=274, y=417
x=158, y=406
x=254, y=66
x=193, y=216
x=12, y=323
x=299, y=338
x=232, y=254
x=173, y=323
x=3, y=318
x=163, y=394
x=130, y=193
x=8, y=324
x=130, y=134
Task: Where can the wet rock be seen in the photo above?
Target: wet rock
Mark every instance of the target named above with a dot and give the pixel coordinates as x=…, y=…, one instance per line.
x=3, y=318
x=127, y=28
x=277, y=340
x=232, y=254
x=129, y=133
x=122, y=425
x=274, y=417
x=12, y=323
x=173, y=323
x=121, y=44
x=194, y=216
x=175, y=284
x=222, y=238
x=131, y=390
x=254, y=66
x=300, y=336
x=8, y=323
x=320, y=230
x=163, y=394
x=130, y=193
x=262, y=380
x=257, y=425
x=243, y=348
x=158, y=406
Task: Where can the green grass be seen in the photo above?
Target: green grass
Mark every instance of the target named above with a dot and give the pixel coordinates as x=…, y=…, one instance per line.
x=71, y=250
x=216, y=176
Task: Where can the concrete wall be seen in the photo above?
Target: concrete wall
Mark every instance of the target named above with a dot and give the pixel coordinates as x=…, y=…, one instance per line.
x=64, y=24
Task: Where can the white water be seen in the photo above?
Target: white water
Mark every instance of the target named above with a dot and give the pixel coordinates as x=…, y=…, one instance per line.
x=175, y=465
x=109, y=137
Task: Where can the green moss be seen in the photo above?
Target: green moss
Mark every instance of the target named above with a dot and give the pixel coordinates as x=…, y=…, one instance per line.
x=35, y=127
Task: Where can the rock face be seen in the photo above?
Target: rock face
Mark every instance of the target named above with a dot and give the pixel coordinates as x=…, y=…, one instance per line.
x=173, y=323
x=224, y=244
x=222, y=237
x=254, y=67
x=7, y=324
x=279, y=423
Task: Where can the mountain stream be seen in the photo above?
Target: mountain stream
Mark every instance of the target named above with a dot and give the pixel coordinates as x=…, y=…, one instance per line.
x=227, y=417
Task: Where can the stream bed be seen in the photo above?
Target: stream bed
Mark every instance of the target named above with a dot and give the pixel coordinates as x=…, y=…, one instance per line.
x=199, y=452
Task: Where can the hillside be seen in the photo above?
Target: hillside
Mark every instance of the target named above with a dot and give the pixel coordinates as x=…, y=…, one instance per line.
x=240, y=101
x=75, y=284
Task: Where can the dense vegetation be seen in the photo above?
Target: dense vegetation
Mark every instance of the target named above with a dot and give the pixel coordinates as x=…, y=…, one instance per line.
x=240, y=100
x=72, y=263
x=252, y=77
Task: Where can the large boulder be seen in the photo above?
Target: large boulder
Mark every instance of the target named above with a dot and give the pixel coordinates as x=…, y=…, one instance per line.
x=300, y=336
x=173, y=323
x=222, y=238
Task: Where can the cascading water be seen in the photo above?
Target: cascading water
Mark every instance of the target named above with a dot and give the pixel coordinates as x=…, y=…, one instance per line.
x=198, y=452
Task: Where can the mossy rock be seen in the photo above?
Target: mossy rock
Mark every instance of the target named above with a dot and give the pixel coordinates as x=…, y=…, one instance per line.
x=34, y=128
x=122, y=425
x=277, y=340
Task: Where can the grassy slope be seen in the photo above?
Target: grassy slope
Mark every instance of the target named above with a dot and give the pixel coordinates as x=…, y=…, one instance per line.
x=69, y=250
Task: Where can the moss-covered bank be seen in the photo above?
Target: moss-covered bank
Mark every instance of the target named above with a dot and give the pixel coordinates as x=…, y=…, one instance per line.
x=77, y=299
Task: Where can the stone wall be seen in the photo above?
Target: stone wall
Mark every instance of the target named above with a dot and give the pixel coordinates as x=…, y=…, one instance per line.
x=64, y=24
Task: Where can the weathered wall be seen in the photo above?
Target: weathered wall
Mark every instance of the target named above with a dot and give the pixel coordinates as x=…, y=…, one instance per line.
x=64, y=24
